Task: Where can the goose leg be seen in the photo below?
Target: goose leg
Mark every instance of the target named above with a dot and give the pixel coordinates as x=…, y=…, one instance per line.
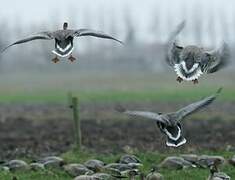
x=71, y=58
x=195, y=81
x=55, y=60
x=179, y=79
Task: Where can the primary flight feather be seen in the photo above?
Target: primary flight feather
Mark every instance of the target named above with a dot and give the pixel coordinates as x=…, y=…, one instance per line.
x=63, y=40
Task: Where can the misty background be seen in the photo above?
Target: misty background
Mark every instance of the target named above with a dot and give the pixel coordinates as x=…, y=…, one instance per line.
x=144, y=26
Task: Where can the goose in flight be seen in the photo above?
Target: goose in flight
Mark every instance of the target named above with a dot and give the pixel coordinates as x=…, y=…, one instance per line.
x=190, y=62
x=170, y=123
x=63, y=40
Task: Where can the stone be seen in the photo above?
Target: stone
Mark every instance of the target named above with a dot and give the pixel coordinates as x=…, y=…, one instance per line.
x=205, y=161
x=220, y=176
x=37, y=166
x=102, y=176
x=193, y=158
x=154, y=176
x=175, y=163
x=51, y=158
x=86, y=177
x=94, y=165
x=4, y=169
x=52, y=162
x=119, y=166
x=15, y=165
x=126, y=159
x=77, y=170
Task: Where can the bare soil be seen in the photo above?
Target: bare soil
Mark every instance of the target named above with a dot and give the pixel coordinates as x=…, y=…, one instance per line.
x=22, y=135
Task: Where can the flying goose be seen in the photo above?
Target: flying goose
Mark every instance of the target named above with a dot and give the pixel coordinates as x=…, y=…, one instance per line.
x=169, y=123
x=63, y=40
x=190, y=62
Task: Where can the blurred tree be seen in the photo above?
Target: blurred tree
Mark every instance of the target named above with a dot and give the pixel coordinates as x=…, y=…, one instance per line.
x=197, y=18
x=113, y=23
x=130, y=29
x=156, y=24
x=87, y=23
x=5, y=32
x=224, y=26
x=212, y=37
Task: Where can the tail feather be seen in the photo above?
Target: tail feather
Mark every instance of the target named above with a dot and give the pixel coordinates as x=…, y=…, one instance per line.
x=177, y=143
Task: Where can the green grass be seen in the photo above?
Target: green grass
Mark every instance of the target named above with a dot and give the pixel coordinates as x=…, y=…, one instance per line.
x=53, y=87
x=114, y=95
x=149, y=159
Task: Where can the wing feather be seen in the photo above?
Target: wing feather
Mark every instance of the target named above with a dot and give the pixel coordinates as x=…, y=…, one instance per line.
x=42, y=35
x=197, y=105
x=99, y=34
x=143, y=114
x=173, y=50
x=217, y=60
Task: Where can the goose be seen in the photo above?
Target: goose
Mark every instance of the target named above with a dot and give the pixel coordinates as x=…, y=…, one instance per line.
x=190, y=62
x=215, y=174
x=63, y=40
x=169, y=123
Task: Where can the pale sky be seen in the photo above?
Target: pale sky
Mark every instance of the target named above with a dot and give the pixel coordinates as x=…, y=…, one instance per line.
x=33, y=12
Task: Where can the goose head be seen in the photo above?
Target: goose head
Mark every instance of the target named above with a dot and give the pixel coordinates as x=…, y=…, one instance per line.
x=65, y=26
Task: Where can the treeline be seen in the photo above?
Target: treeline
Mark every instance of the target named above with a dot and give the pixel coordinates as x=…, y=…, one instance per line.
x=142, y=51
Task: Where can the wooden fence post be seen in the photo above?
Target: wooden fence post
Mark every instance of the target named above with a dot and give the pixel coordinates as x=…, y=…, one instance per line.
x=77, y=125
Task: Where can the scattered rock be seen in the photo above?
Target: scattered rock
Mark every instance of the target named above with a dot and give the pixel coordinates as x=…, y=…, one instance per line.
x=4, y=169
x=52, y=162
x=15, y=165
x=77, y=170
x=126, y=159
x=50, y=158
x=175, y=163
x=119, y=166
x=37, y=166
x=154, y=176
x=193, y=158
x=130, y=173
x=102, y=176
x=94, y=165
x=219, y=176
x=205, y=161
x=86, y=177
x=113, y=172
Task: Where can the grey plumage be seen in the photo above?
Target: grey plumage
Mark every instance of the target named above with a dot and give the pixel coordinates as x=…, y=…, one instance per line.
x=63, y=38
x=38, y=36
x=191, y=62
x=169, y=123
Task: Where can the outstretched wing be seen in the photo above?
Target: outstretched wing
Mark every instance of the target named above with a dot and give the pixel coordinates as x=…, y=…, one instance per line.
x=173, y=50
x=196, y=106
x=89, y=32
x=144, y=114
x=216, y=60
x=42, y=35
